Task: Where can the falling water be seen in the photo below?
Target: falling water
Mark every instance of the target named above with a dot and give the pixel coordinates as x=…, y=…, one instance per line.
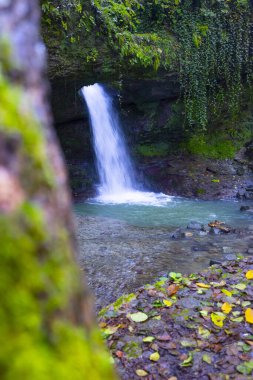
x=115, y=169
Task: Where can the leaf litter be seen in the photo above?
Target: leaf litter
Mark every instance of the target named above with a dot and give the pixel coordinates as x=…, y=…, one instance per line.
x=171, y=330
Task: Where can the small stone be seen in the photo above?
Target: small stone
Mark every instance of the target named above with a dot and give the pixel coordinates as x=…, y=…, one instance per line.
x=215, y=262
x=188, y=234
x=202, y=233
x=241, y=193
x=244, y=208
x=214, y=231
x=195, y=225
x=250, y=251
x=227, y=249
x=177, y=234
x=231, y=257
x=250, y=227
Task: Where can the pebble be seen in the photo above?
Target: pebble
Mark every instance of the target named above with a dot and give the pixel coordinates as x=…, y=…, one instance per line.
x=195, y=225
x=227, y=250
x=230, y=257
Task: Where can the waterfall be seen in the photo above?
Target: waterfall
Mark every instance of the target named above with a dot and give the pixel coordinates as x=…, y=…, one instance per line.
x=114, y=166
x=115, y=169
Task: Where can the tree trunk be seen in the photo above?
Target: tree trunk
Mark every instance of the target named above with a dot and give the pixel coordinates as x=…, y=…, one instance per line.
x=46, y=317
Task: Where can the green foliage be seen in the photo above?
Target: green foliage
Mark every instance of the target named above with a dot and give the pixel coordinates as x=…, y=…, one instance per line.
x=210, y=43
x=211, y=146
x=215, y=59
x=153, y=150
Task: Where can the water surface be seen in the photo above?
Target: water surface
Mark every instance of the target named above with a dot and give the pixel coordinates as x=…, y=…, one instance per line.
x=177, y=212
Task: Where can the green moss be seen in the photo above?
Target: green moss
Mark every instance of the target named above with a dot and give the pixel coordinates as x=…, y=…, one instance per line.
x=38, y=279
x=153, y=150
x=117, y=304
x=132, y=349
x=211, y=146
x=200, y=191
x=16, y=120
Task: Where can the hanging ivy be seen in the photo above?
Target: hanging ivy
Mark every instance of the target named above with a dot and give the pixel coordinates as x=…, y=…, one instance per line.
x=209, y=41
x=215, y=57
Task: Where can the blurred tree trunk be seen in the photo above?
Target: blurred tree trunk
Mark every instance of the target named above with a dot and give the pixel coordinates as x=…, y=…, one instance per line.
x=46, y=328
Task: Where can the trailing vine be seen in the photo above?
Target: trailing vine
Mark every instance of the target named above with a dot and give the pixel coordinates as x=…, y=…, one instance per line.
x=215, y=57
x=210, y=42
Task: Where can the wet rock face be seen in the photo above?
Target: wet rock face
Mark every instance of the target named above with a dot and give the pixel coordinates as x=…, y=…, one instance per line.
x=191, y=176
x=153, y=120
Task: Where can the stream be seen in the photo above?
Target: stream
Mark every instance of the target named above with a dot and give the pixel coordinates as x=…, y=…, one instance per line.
x=127, y=234
x=124, y=246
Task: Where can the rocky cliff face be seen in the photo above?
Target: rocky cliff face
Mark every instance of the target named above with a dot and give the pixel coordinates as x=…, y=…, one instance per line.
x=153, y=120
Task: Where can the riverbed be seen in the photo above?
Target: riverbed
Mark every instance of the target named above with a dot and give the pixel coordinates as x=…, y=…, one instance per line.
x=123, y=248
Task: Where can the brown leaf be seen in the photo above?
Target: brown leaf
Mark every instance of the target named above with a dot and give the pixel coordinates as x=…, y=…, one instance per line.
x=172, y=289
x=165, y=337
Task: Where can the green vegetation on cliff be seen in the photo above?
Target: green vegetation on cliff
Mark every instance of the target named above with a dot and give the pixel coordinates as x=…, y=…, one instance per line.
x=208, y=43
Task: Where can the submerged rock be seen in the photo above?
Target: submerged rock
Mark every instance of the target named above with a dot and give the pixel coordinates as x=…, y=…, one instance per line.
x=246, y=208
x=193, y=225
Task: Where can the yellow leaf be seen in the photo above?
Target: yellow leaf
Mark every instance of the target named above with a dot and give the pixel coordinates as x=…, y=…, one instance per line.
x=154, y=357
x=167, y=303
x=249, y=315
x=249, y=275
x=148, y=339
x=217, y=319
x=226, y=292
x=226, y=307
x=201, y=285
x=141, y=372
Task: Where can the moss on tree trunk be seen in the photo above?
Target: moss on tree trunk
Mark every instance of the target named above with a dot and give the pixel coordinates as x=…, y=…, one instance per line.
x=46, y=328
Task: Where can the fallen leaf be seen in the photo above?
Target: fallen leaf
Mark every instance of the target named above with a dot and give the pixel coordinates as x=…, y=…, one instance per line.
x=226, y=307
x=172, y=289
x=175, y=276
x=138, y=317
x=240, y=286
x=154, y=357
x=238, y=319
x=217, y=319
x=206, y=358
x=227, y=292
x=148, y=339
x=245, y=368
x=110, y=330
x=141, y=372
x=246, y=303
x=249, y=315
x=158, y=317
x=204, y=332
x=167, y=303
x=201, y=285
x=249, y=275
x=236, y=313
x=163, y=337
x=188, y=361
x=188, y=343
x=218, y=284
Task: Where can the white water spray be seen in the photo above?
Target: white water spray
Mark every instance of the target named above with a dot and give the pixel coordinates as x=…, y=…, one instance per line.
x=116, y=172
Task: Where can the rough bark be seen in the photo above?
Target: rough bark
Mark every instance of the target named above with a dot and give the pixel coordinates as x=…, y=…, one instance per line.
x=46, y=318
